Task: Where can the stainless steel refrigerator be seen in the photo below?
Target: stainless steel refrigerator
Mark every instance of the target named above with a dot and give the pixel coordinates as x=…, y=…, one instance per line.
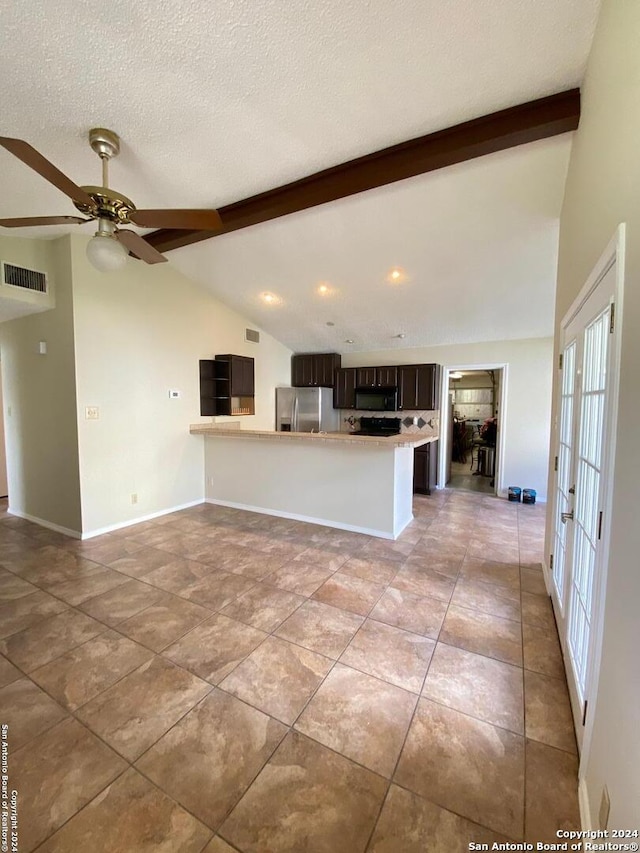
x=306, y=410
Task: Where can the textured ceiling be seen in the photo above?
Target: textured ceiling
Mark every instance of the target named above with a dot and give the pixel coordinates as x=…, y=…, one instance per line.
x=218, y=101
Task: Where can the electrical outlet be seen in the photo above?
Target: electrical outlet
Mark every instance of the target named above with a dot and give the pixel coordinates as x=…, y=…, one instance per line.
x=134, y=498
x=605, y=806
x=92, y=413
x=174, y=394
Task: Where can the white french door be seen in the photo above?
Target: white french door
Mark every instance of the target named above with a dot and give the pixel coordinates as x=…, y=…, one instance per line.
x=584, y=420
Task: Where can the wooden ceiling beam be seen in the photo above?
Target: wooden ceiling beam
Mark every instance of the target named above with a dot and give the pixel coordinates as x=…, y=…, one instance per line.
x=498, y=131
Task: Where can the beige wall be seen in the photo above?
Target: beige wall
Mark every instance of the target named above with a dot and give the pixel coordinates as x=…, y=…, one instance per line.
x=138, y=334
x=4, y=482
x=603, y=189
x=40, y=394
x=526, y=421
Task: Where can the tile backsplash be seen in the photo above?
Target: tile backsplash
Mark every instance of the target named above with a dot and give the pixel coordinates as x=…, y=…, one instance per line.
x=428, y=421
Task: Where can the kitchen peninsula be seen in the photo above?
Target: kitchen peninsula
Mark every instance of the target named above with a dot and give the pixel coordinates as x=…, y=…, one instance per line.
x=352, y=482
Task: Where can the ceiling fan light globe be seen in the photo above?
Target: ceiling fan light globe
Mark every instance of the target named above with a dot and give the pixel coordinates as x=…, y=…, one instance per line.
x=106, y=254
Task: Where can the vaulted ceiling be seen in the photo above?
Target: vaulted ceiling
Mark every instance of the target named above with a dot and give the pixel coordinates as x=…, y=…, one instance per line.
x=217, y=102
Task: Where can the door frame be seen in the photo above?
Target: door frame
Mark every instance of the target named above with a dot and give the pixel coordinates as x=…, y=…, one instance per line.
x=444, y=420
x=613, y=254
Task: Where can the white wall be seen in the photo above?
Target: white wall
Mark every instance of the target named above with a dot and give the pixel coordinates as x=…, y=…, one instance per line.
x=603, y=189
x=138, y=334
x=40, y=393
x=526, y=421
x=4, y=482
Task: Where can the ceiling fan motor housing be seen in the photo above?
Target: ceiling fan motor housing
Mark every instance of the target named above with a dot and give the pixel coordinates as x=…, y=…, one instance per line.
x=109, y=205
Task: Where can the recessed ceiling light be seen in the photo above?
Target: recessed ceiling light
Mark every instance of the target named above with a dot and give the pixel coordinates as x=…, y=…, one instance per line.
x=455, y=375
x=324, y=289
x=401, y=336
x=349, y=341
x=396, y=275
x=270, y=298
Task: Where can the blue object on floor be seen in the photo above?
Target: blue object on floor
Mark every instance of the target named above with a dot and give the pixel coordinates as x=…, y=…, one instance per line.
x=514, y=493
x=529, y=496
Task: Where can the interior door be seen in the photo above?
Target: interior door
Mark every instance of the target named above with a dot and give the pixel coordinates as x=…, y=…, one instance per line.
x=579, y=496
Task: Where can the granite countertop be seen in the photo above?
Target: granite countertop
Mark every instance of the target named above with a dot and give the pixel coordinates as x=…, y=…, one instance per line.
x=402, y=440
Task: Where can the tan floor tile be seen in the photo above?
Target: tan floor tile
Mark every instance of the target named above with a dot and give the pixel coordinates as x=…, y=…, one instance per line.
x=13, y=586
x=391, y=654
x=489, y=598
x=541, y=650
x=424, y=582
x=505, y=551
x=132, y=714
x=216, y=647
x=491, y=572
x=178, y=574
x=441, y=563
x=361, y=717
x=548, y=712
x=121, y=602
x=476, y=685
x=532, y=581
x=264, y=606
x=163, y=622
x=467, y=766
x=279, y=678
x=415, y=613
x=76, y=591
x=106, y=549
x=301, y=578
x=50, y=565
x=385, y=549
x=141, y=562
x=217, y=589
x=49, y=639
x=376, y=571
x=326, y=558
x=306, y=797
x=483, y=633
x=130, y=815
x=27, y=611
x=552, y=792
x=150, y=537
x=87, y=670
x=409, y=824
x=218, y=845
x=321, y=628
x=56, y=774
x=349, y=593
x=252, y=563
x=220, y=746
x=27, y=711
x=537, y=610
x=8, y=672
x=431, y=544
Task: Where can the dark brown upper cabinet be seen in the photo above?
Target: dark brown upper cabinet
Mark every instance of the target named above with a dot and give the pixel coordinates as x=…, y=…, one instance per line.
x=344, y=391
x=227, y=385
x=419, y=386
x=376, y=377
x=314, y=370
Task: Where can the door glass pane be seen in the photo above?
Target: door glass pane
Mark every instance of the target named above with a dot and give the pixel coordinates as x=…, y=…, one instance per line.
x=589, y=458
x=564, y=468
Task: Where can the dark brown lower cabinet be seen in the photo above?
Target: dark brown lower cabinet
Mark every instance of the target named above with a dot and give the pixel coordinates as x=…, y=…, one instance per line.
x=425, y=468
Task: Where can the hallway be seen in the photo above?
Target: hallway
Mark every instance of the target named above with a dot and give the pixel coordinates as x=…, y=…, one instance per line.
x=215, y=680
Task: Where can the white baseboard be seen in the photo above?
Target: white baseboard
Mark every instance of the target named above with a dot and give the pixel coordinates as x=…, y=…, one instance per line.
x=585, y=811
x=76, y=534
x=111, y=527
x=368, y=531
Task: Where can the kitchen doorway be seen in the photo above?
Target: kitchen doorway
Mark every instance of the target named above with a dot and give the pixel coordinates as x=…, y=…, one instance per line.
x=472, y=410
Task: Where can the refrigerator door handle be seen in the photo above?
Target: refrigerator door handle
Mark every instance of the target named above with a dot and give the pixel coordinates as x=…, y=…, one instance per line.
x=294, y=414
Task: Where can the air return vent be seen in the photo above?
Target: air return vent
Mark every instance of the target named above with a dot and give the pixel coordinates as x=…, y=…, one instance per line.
x=24, y=278
x=252, y=336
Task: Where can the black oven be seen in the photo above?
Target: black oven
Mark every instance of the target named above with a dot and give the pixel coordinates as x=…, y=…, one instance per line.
x=377, y=399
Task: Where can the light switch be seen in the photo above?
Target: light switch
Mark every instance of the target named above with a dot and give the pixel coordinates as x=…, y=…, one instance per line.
x=174, y=394
x=42, y=348
x=92, y=413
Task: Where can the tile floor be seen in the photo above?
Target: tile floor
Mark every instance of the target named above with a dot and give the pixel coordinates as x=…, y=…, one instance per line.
x=217, y=681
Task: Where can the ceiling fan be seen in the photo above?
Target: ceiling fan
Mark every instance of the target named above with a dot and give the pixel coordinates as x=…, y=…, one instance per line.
x=109, y=248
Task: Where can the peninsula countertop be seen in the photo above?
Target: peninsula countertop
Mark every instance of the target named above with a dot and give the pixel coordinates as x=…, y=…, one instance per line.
x=404, y=439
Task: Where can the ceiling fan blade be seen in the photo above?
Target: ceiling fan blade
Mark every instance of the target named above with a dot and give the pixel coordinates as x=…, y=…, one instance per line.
x=203, y=220
x=25, y=152
x=27, y=221
x=139, y=247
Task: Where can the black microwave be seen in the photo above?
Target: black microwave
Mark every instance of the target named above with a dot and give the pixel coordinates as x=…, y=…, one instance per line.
x=377, y=399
